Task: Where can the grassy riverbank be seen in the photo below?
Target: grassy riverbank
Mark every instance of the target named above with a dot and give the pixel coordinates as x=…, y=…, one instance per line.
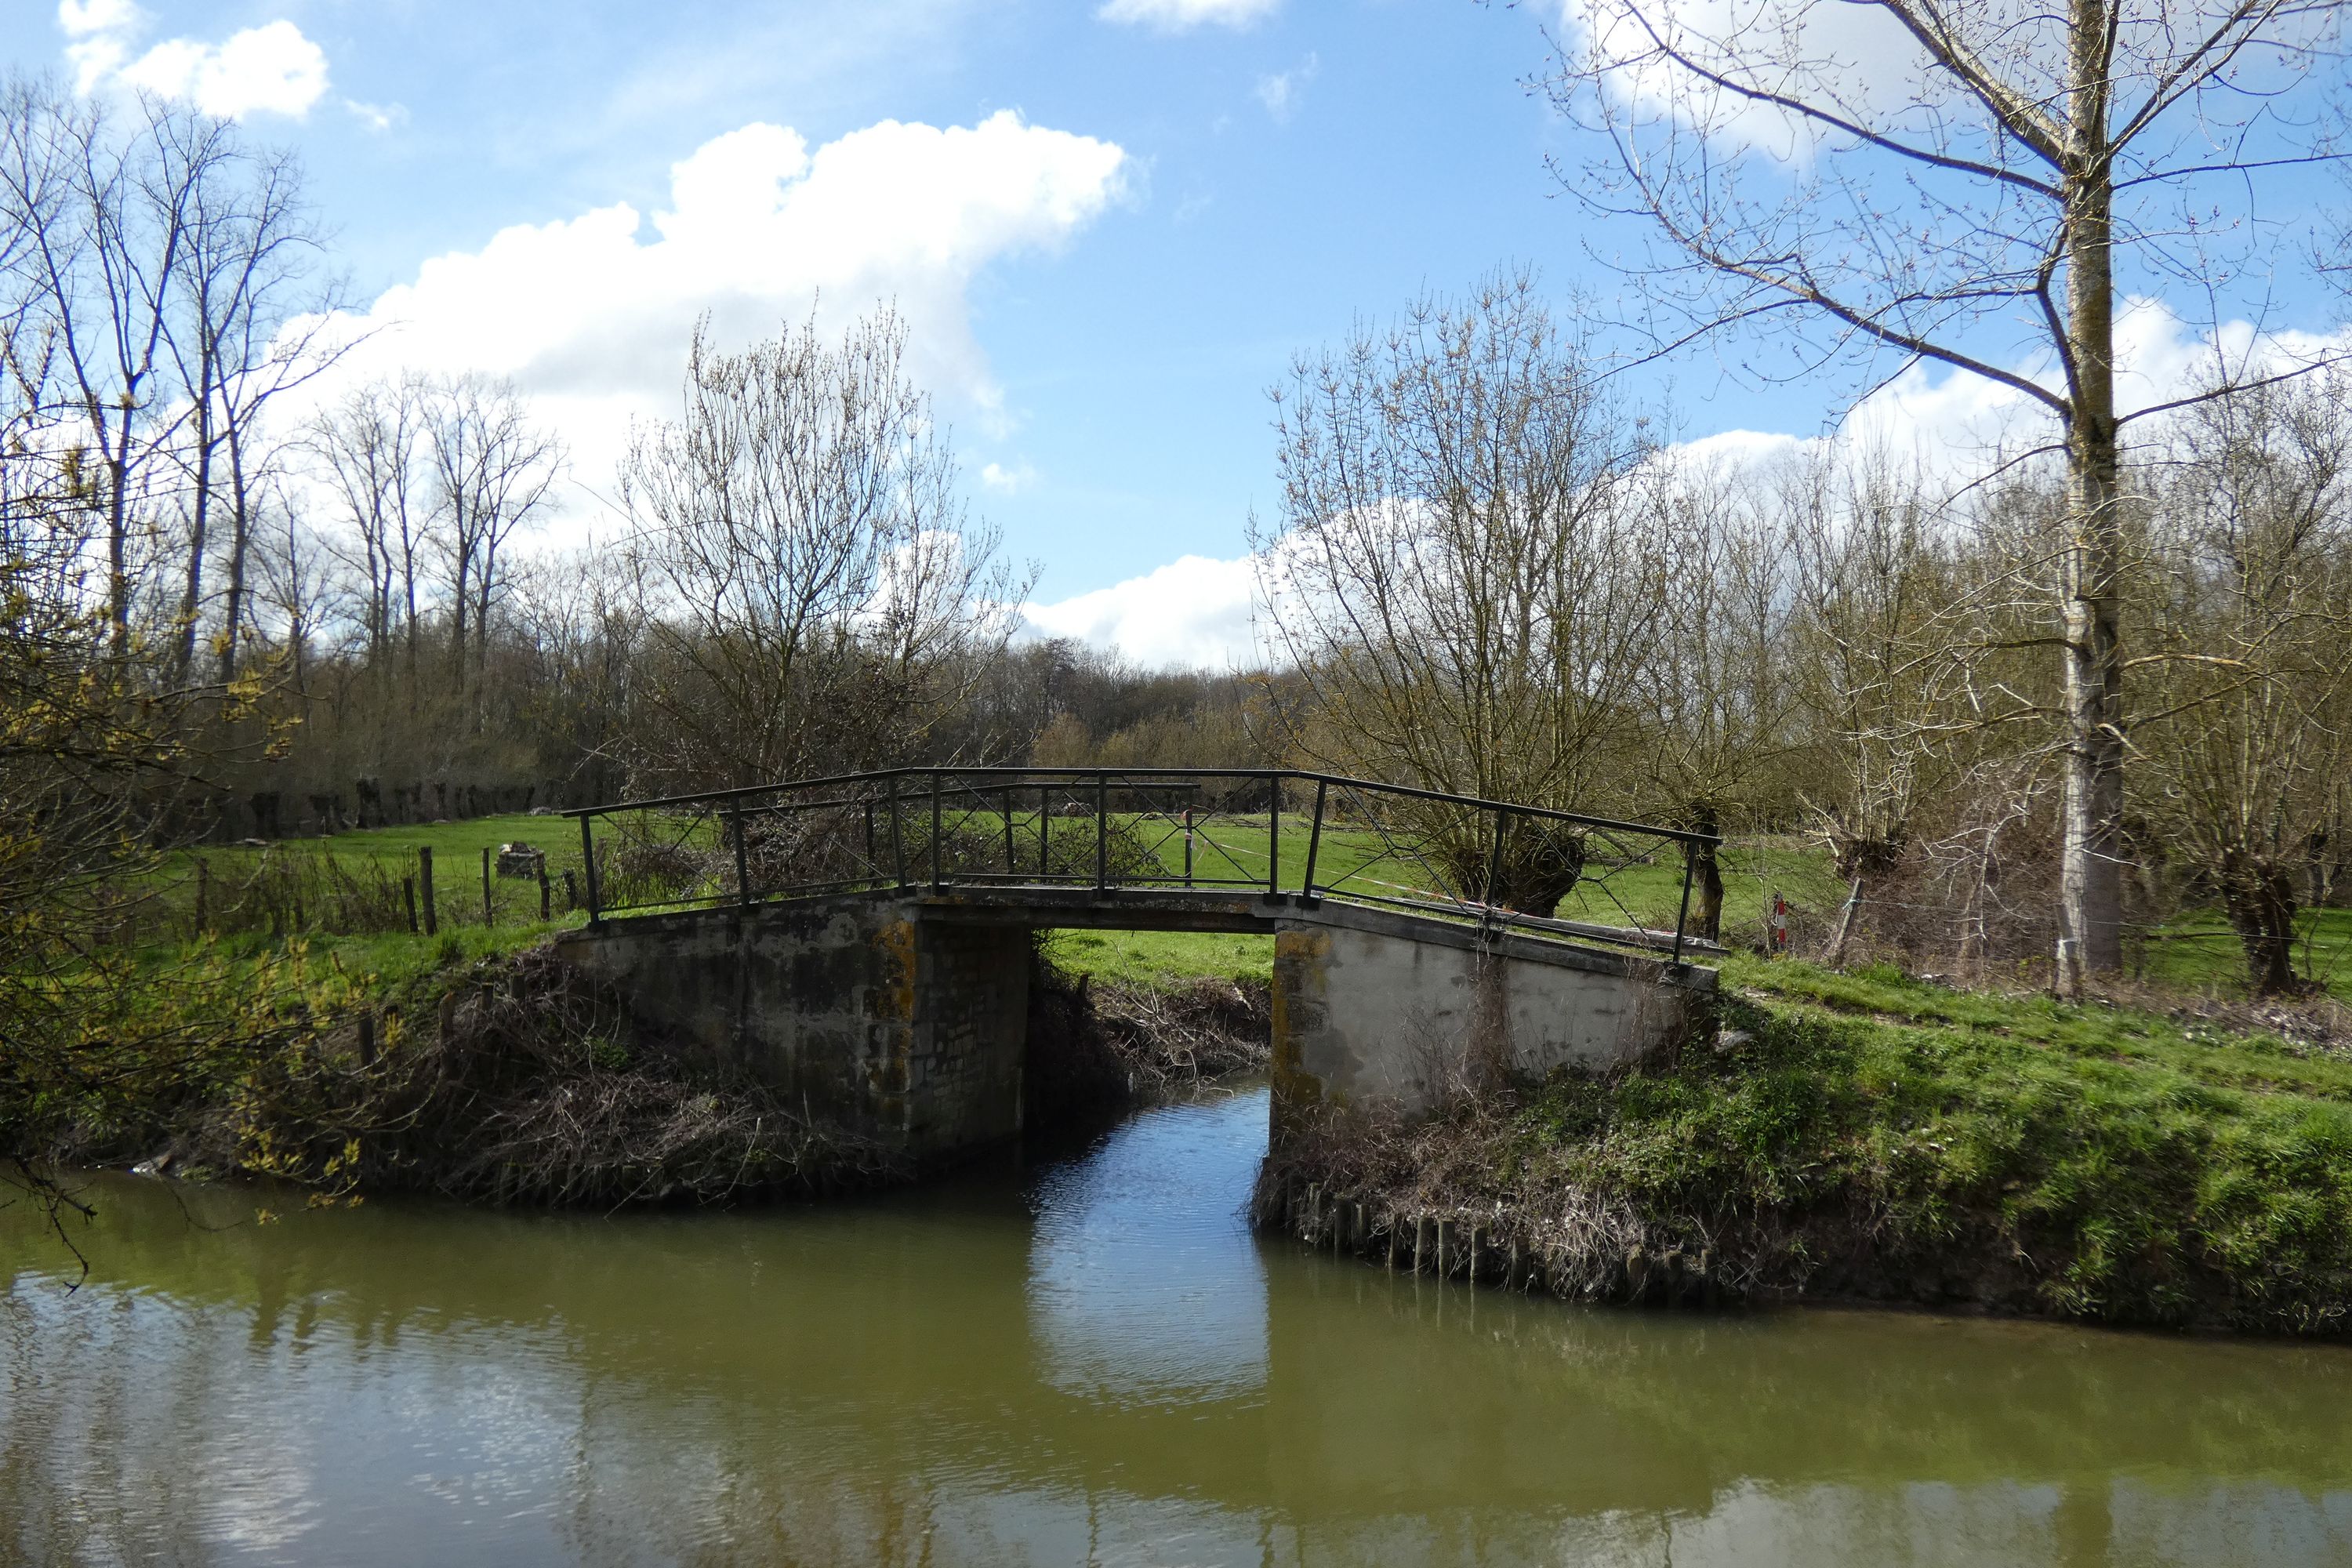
x=1868, y=1136
x=2186, y=1161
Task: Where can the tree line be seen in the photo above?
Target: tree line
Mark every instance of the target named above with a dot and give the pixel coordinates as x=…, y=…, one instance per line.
x=1487, y=571
x=1490, y=575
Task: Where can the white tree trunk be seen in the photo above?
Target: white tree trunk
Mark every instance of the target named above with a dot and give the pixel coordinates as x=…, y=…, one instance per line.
x=2091, y=868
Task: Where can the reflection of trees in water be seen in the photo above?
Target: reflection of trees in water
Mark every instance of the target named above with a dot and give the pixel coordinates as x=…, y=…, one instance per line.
x=868, y=1382
x=1600, y=1409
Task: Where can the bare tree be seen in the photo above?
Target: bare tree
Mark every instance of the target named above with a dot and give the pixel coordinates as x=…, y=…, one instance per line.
x=249, y=324
x=1960, y=181
x=812, y=591
x=1460, y=569
x=2250, y=613
x=1716, y=696
x=1868, y=582
x=577, y=612
x=100, y=222
x=369, y=448
x=294, y=581
x=493, y=472
x=157, y=259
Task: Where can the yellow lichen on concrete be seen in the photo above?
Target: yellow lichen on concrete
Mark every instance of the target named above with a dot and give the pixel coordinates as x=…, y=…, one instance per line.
x=894, y=1017
x=1299, y=978
x=896, y=941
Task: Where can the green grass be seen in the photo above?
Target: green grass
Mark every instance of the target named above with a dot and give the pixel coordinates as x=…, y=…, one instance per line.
x=395, y=960
x=2036, y=1029
x=1161, y=959
x=2103, y=1161
x=264, y=980
x=2196, y=953
x=2199, y=952
x=457, y=863
x=287, y=968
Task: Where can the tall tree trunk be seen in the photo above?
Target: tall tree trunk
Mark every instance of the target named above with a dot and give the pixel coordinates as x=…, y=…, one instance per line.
x=460, y=605
x=199, y=525
x=1706, y=875
x=409, y=611
x=482, y=633
x=240, y=537
x=297, y=629
x=2090, y=870
x=1976, y=926
x=1845, y=921
x=117, y=538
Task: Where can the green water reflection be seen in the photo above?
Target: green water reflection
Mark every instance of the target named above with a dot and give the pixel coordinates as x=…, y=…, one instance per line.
x=1088, y=1363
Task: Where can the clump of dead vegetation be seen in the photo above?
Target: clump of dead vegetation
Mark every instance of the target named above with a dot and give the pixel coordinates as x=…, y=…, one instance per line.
x=1095, y=1046
x=523, y=1080
x=1176, y=1035
x=1444, y=1196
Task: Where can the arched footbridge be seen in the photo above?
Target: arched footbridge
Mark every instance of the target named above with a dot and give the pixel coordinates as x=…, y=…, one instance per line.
x=863, y=942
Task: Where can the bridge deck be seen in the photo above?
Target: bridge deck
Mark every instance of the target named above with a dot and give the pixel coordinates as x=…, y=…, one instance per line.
x=1056, y=907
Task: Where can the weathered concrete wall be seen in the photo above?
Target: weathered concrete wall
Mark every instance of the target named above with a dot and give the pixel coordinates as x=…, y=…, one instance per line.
x=1368, y=1006
x=970, y=1038
x=898, y=1028
x=904, y=1018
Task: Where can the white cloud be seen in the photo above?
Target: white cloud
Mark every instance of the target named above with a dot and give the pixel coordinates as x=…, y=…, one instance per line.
x=98, y=33
x=591, y=314
x=268, y=70
x=1193, y=612
x=377, y=117
x=1281, y=91
x=1007, y=481
x=81, y=19
x=1180, y=16
x=1738, y=448
x=1198, y=613
x=1857, y=59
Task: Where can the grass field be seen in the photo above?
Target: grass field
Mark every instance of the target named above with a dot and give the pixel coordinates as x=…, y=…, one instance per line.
x=2197, y=953
x=389, y=853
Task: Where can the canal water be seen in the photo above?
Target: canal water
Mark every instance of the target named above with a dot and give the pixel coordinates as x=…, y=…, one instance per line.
x=1087, y=1361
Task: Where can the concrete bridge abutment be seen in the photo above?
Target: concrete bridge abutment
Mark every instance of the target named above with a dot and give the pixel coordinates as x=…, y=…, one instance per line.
x=1375, y=1008
x=904, y=1030
x=902, y=1016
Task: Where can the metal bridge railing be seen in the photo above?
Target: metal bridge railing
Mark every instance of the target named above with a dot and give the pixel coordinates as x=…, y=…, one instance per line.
x=1275, y=831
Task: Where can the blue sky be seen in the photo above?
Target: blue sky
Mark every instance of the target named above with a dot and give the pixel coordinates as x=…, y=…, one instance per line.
x=1183, y=194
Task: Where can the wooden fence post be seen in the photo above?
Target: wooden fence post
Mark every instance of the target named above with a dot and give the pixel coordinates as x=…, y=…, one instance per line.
x=485, y=886
x=543, y=900
x=424, y=883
